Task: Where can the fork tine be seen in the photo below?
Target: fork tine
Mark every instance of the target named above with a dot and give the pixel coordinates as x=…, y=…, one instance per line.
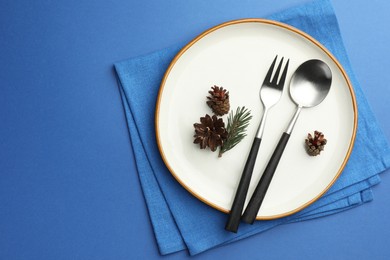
x=276, y=76
x=283, y=77
x=269, y=73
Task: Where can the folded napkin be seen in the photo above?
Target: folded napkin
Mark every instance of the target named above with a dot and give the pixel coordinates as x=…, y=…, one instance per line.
x=180, y=221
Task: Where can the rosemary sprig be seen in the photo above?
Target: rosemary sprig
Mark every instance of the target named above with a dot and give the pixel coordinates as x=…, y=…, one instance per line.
x=236, y=128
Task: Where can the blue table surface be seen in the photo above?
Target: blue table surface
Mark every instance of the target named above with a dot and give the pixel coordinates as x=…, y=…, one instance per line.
x=68, y=182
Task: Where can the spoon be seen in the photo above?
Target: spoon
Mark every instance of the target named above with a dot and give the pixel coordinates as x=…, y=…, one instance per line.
x=309, y=86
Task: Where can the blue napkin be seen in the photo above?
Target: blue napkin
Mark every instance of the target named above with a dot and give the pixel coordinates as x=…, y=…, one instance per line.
x=179, y=220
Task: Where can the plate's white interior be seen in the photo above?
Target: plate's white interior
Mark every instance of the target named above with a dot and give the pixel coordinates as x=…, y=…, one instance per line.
x=237, y=57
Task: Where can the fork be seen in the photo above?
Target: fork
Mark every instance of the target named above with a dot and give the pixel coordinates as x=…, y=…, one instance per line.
x=270, y=93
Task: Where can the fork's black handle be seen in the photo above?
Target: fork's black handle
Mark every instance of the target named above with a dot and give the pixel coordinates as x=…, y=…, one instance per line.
x=242, y=190
x=258, y=195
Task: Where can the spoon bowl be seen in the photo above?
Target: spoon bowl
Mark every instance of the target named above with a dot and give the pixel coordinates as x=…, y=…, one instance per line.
x=310, y=83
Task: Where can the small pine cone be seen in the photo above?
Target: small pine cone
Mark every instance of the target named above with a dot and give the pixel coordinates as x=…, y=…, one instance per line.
x=218, y=100
x=314, y=145
x=210, y=132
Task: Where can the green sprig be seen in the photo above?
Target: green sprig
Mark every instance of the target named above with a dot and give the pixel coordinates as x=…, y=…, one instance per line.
x=236, y=128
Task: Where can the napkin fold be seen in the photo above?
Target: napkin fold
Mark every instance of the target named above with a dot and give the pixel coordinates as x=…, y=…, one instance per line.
x=180, y=221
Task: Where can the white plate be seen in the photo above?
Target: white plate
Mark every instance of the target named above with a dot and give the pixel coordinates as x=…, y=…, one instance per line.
x=237, y=55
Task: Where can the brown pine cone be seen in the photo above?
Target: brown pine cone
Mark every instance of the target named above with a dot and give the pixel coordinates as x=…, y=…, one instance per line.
x=210, y=132
x=314, y=145
x=218, y=100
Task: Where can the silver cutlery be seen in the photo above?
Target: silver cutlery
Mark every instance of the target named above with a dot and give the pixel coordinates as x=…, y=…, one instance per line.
x=309, y=86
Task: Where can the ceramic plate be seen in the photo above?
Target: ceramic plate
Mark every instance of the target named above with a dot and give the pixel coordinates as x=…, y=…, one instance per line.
x=237, y=55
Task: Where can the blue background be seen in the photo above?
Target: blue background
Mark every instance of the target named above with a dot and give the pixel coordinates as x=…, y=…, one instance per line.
x=68, y=183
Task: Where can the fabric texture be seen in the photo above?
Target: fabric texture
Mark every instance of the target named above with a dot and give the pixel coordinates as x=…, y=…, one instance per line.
x=180, y=221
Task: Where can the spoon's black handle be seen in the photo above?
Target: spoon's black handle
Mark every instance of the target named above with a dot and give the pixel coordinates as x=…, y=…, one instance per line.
x=258, y=195
x=242, y=190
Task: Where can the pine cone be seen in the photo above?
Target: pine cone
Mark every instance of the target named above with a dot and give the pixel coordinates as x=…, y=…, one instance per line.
x=210, y=132
x=314, y=145
x=218, y=100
